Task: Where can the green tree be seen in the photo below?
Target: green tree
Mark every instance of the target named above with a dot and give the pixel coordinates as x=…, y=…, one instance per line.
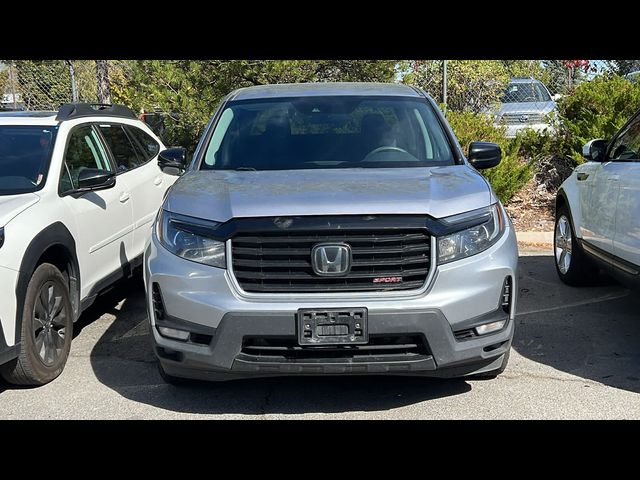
x=529, y=68
x=563, y=78
x=4, y=81
x=622, y=67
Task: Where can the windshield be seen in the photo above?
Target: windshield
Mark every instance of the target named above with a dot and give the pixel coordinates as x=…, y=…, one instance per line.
x=525, y=92
x=24, y=157
x=327, y=132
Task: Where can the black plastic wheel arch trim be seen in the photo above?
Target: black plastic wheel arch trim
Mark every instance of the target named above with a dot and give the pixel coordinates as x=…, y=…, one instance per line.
x=54, y=234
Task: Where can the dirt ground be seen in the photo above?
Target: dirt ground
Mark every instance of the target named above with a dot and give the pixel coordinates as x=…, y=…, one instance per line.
x=532, y=209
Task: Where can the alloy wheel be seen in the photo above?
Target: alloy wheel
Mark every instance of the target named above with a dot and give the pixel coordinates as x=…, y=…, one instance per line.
x=49, y=323
x=563, y=245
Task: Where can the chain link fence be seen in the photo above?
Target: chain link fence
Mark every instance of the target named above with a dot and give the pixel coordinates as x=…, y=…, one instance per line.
x=47, y=84
x=460, y=85
x=517, y=93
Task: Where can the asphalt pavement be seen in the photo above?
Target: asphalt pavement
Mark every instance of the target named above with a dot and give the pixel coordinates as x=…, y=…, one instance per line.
x=576, y=355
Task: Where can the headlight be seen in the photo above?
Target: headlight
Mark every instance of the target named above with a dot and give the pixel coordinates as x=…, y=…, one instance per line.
x=489, y=225
x=187, y=237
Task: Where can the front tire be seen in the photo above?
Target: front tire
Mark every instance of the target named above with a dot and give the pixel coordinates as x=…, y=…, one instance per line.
x=47, y=329
x=572, y=264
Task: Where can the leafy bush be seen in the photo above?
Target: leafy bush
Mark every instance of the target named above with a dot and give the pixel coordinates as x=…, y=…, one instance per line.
x=534, y=144
x=597, y=109
x=512, y=173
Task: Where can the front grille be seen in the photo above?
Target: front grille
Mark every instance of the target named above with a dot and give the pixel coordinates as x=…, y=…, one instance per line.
x=281, y=261
x=522, y=118
x=379, y=346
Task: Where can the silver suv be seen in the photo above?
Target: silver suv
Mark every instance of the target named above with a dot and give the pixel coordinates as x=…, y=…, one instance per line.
x=526, y=104
x=331, y=228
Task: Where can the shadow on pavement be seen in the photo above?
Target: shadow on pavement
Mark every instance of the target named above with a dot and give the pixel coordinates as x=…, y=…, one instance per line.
x=590, y=332
x=123, y=360
x=593, y=333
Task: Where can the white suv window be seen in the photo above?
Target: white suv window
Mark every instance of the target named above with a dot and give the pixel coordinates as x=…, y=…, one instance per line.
x=145, y=145
x=84, y=150
x=627, y=145
x=122, y=149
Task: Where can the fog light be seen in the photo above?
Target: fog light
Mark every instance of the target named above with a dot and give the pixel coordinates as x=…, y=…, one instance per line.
x=490, y=327
x=173, y=333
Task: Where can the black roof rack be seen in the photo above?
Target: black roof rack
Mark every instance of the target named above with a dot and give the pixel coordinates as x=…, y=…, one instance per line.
x=69, y=111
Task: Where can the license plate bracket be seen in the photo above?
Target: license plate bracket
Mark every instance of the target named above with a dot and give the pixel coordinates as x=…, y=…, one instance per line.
x=332, y=326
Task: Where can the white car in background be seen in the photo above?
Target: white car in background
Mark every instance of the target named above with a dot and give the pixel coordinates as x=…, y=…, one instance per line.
x=79, y=190
x=598, y=211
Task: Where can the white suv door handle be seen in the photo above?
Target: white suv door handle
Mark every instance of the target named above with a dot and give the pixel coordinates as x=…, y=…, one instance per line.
x=124, y=196
x=614, y=178
x=157, y=181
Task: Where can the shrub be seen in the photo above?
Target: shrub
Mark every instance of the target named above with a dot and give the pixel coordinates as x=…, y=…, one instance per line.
x=512, y=173
x=597, y=109
x=534, y=144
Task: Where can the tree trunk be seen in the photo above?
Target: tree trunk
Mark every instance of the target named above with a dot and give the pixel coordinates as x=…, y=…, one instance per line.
x=102, y=77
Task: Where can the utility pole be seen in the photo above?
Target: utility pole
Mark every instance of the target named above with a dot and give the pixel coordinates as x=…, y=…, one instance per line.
x=12, y=82
x=444, y=83
x=102, y=77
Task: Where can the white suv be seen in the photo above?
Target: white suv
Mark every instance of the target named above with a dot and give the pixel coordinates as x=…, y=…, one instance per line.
x=598, y=211
x=79, y=190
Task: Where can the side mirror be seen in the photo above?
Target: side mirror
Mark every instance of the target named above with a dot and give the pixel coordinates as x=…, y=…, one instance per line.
x=595, y=150
x=556, y=97
x=173, y=161
x=95, y=179
x=484, y=154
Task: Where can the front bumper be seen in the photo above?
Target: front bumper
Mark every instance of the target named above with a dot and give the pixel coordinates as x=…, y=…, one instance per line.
x=8, y=347
x=204, y=300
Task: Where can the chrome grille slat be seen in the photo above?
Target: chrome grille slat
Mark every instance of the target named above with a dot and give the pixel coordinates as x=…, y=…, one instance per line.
x=516, y=118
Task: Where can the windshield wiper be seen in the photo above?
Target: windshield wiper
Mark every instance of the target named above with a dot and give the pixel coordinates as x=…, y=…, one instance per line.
x=246, y=169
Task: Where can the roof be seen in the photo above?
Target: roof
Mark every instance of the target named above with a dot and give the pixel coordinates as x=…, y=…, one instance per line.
x=68, y=111
x=283, y=90
x=28, y=118
x=22, y=113
x=524, y=80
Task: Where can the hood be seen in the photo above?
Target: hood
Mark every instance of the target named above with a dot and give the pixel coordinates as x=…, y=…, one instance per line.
x=527, y=107
x=220, y=195
x=12, y=205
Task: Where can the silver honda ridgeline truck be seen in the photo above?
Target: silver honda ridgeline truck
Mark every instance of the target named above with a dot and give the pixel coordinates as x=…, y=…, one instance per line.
x=331, y=229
